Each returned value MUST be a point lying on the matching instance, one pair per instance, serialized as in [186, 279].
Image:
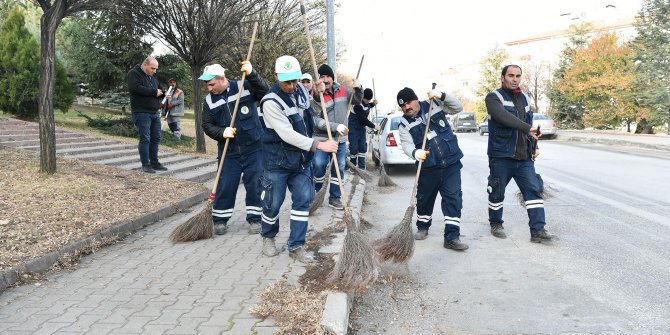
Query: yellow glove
[246, 67]
[229, 132]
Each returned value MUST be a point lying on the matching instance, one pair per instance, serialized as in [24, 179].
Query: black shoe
[335, 203]
[421, 234]
[540, 236]
[148, 169]
[159, 167]
[455, 244]
[498, 231]
[220, 228]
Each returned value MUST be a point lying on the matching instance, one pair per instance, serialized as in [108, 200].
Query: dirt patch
[41, 213]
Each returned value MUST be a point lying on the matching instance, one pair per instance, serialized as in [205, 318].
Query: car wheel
[387, 168]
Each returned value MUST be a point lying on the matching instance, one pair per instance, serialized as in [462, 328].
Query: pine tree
[20, 70]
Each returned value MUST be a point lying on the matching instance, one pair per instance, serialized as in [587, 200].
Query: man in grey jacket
[175, 108]
[336, 98]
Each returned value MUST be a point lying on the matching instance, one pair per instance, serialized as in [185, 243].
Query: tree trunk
[48, 25]
[200, 145]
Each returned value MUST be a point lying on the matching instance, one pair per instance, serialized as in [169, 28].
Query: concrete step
[130, 158]
[62, 146]
[200, 175]
[97, 156]
[30, 136]
[73, 141]
[25, 131]
[100, 148]
[174, 164]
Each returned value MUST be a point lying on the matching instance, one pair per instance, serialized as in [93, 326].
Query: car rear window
[395, 122]
[540, 117]
[466, 116]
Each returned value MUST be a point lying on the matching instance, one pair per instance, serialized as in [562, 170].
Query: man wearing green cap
[244, 156]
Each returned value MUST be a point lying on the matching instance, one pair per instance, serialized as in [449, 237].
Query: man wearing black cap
[441, 167]
[336, 98]
[358, 120]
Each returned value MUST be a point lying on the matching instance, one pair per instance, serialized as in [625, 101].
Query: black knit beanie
[368, 94]
[325, 70]
[405, 95]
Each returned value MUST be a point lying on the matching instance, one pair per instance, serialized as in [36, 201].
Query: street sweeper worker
[286, 116]
[441, 167]
[511, 150]
[244, 156]
[358, 120]
[336, 98]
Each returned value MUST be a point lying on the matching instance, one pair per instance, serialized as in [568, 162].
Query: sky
[408, 43]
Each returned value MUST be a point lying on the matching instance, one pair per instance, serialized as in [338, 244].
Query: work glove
[161, 105]
[229, 132]
[421, 155]
[246, 67]
[435, 94]
[170, 105]
[342, 129]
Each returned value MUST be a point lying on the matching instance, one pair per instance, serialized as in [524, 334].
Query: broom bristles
[321, 194]
[360, 172]
[384, 179]
[196, 228]
[398, 244]
[357, 267]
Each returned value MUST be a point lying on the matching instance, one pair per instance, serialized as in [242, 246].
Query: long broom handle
[346, 116]
[323, 104]
[232, 121]
[423, 147]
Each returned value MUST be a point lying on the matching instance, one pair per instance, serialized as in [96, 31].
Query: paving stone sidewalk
[146, 285]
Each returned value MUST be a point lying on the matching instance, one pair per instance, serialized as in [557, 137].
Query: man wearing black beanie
[336, 99]
[441, 167]
[358, 120]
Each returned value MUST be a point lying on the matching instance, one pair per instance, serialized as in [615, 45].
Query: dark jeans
[274, 185]
[358, 147]
[502, 170]
[250, 168]
[149, 132]
[319, 163]
[446, 181]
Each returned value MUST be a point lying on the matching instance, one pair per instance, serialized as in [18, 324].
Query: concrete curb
[44, 263]
[610, 141]
[335, 317]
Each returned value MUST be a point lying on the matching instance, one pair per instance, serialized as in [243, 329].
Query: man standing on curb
[441, 167]
[358, 120]
[511, 151]
[244, 157]
[145, 99]
[336, 98]
[287, 154]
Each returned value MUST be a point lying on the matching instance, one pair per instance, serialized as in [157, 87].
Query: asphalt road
[607, 274]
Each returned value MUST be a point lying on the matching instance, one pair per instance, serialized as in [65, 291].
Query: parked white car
[386, 144]
[547, 125]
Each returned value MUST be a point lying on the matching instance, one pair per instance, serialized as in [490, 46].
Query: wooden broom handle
[232, 121]
[423, 147]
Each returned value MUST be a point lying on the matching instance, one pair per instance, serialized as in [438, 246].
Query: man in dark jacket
[511, 150]
[358, 120]
[244, 157]
[441, 167]
[145, 99]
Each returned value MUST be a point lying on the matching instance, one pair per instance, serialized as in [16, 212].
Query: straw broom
[384, 180]
[201, 226]
[321, 195]
[398, 244]
[357, 262]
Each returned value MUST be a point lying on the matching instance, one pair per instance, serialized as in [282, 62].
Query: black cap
[325, 70]
[368, 94]
[405, 95]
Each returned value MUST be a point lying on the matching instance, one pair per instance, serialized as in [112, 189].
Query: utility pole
[330, 35]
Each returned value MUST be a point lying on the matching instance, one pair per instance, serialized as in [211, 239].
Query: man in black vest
[512, 148]
[441, 167]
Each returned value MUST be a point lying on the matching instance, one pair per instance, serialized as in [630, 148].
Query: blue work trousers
[446, 181]
[358, 148]
[250, 168]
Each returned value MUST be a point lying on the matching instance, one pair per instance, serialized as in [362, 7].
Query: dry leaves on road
[41, 213]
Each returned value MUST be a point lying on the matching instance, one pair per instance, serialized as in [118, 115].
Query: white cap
[212, 71]
[287, 68]
[306, 76]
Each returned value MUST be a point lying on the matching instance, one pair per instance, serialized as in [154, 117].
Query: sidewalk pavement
[656, 142]
[146, 285]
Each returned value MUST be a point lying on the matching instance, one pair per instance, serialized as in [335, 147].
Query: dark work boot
[148, 169]
[498, 231]
[421, 234]
[159, 167]
[455, 244]
[220, 228]
[540, 236]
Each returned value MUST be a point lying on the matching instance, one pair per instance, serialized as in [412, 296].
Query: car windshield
[540, 117]
[395, 122]
[466, 116]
